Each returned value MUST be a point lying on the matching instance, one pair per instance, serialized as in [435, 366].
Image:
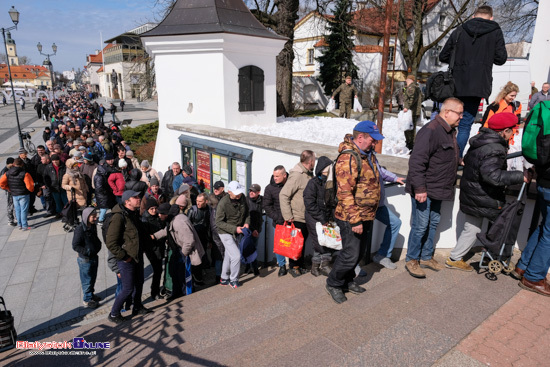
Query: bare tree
[516, 18]
[25, 60]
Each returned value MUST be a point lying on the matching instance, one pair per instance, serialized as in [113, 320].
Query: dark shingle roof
[210, 16]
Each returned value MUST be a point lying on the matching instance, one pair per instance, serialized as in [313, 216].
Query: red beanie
[503, 120]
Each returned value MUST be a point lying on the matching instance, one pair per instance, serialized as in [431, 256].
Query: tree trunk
[287, 14]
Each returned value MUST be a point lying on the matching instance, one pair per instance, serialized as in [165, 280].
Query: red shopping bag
[288, 241]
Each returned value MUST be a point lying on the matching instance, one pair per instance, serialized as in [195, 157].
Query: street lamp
[48, 62]
[14, 15]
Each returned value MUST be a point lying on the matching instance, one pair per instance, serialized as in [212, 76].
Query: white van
[517, 71]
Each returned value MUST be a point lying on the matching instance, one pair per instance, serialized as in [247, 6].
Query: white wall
[540, 62]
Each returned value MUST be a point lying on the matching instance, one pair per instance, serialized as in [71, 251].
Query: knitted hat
[55, 157]
[109, 157]
[187, 169]
[122, 163]
[144, 163]
[151, 202]
[154, 181]
[164, 208]
[181, 200]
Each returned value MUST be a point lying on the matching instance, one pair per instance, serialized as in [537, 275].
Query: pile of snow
[330, 131]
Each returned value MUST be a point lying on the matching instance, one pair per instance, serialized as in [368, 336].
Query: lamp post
[48, 62]
[14, 15]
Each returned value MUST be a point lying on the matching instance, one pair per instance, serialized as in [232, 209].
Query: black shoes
[141, 311]
[295, 272]
[282, 270]
[336, 293]
[119, 319]
[355, 288]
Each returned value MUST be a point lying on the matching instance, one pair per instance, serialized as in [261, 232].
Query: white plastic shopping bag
[357, 106]
[331, 105]
[329, 236]
[405, 120]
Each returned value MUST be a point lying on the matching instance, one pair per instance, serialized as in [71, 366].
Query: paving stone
[39, 305]
[12, 249]
[4, 283]
[54, 243]
[458, 359]
[30, 253]
[36, 238]
[45, 279]
[7, 264]
[23, 273]
[50, 259]
[3, 240]
[17, 235]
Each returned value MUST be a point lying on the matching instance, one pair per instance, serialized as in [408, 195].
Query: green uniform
[412, 102]
[347, 91]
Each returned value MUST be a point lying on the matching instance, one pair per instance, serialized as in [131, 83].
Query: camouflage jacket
[411, 99]
[357, 198]
[346, 92]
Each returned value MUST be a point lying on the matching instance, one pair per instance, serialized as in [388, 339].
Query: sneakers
[384, 261]
[234, 284]
[459, 265]
[282, 271]
[13, 224]
[413, 267]
[119, 319]
[336, 293]
[224, 281]
[25, 228]
[91, 304]
[432, 264]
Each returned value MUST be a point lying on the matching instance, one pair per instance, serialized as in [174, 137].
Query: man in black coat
[168, 179]
[480, 44]
[255, 203]
[272, 206]
[483, 183]
[199, 215]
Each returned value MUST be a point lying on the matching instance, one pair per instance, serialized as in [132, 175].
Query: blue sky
[74, 26]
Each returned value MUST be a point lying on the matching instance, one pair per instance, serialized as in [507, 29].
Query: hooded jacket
[231, 214]
[135, 183]
[485, 175]
[103, 195]
[314, 196]
[358, 197]
[73, 180]
[85, 239]
[291, 197]
[271, 202]
[256, 213]
[123, 237]
[480, 45]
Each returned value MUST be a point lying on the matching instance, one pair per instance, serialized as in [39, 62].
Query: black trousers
[300, 262]
[353, 247]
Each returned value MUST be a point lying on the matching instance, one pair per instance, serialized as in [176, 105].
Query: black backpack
[441, 85]
[331, 187]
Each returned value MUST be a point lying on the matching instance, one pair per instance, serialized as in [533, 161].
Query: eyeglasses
[458, 113]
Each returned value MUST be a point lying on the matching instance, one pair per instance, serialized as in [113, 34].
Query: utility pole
[384, 72]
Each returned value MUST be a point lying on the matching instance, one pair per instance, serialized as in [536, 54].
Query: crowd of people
[183, 230]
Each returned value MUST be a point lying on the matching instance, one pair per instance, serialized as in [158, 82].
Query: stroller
[70, 214]
[498, 242]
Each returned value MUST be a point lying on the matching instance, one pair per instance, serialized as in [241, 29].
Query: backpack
[331, 187]
[107, 222]
[535, 142]
[441, 85]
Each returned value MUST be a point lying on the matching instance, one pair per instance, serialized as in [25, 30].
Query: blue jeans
[88, 275]
[21, 206]
[102, 213]
[425, 218]
[535, 258]
[281, 260]
[471, 105]
[393, 224]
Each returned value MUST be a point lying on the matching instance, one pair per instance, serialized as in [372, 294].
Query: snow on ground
[331, 131]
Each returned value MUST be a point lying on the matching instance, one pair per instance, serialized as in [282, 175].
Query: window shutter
[245, 93]
[257, 89]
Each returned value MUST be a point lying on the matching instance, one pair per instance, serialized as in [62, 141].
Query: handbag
[7, 328]
[441, 85]
[329, 235]
[288, 241]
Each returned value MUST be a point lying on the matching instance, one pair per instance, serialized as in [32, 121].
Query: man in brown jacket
[358, 193]
[347, 92]
[431, 179]
[291, 199]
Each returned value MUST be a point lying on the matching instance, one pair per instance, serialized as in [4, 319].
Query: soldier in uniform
[412, 101]
[358, 193]
[347, 92]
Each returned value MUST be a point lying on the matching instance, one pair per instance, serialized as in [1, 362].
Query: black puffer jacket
[85, 239]
[256, 213]
[271, 202]
[103, 194]
[480, 45]
[134, 182]
[485, 175]
[314, 201]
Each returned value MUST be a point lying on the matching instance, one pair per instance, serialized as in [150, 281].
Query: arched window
[251, 88]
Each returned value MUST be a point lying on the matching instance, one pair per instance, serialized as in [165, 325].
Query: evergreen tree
[337, 60]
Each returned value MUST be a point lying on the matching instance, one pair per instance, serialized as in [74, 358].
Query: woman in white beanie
[148, 172]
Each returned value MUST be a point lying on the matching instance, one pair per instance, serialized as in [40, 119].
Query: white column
[538, 58]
